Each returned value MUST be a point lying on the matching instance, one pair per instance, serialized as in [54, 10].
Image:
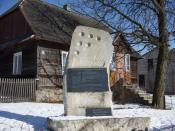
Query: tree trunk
[159, 86]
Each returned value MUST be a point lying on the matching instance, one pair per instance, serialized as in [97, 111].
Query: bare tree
[147, 23]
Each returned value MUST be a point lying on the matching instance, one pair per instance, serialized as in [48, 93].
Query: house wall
[149, 74]
[13, 29]
[128, 77]
[49, 74]
[40, 60]
[28, 61]
[46, 68]
[13, 26]
[170, 80]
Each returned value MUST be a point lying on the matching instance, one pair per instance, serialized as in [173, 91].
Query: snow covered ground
[32, 116]
[27, 116]
[160, 119]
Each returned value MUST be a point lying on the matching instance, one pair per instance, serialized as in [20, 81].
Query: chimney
[67, 7]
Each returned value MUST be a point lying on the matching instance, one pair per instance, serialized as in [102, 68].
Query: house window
[150, 64]
[17, 63]
[63, 59]
[127, 62]
[113, 65]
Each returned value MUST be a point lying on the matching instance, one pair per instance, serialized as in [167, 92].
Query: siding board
[150, 74]
[13, 26]
[29, 61]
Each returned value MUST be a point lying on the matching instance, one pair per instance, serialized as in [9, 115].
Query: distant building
[124, 63]
[147, 71]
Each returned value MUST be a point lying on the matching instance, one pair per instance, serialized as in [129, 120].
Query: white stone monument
[86, 80]
[86, 87]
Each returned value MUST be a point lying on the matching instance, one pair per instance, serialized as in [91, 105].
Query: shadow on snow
[36, 121]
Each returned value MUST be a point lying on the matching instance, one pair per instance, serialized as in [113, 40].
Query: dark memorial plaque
[98, 112]
[87, 80]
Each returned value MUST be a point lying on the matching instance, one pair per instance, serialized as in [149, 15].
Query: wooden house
[34, 39]
[125, 60]
[147, 71]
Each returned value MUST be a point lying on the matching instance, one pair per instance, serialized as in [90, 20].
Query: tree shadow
[38, 123]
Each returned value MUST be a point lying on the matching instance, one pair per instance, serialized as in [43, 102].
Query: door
[142, 81]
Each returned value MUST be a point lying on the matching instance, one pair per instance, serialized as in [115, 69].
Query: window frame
[127, 64]
[17, 68]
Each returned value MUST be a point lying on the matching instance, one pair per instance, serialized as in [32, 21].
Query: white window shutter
[127, 62]
[64, 55]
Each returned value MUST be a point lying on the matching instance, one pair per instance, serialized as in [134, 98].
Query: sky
[5, 5]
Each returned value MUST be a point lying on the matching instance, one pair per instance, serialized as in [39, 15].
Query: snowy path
[32, 116]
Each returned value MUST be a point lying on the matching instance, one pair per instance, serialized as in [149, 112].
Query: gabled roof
[119, 40]
[153, 53]
[150, 51]
[53, 23]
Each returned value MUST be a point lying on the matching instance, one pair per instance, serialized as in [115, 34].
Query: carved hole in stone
[80, 43]
[98, 38]
[82, 34]
[43, 52]
[76, 52]
[91, 35]
[88, 44]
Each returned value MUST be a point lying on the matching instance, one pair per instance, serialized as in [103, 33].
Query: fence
[17, 89]
[170, 102]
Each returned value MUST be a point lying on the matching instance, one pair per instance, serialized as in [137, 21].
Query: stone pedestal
[86, 80]
[99, 124]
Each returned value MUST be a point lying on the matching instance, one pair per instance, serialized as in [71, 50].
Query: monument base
[89, 104]
[73, 123]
